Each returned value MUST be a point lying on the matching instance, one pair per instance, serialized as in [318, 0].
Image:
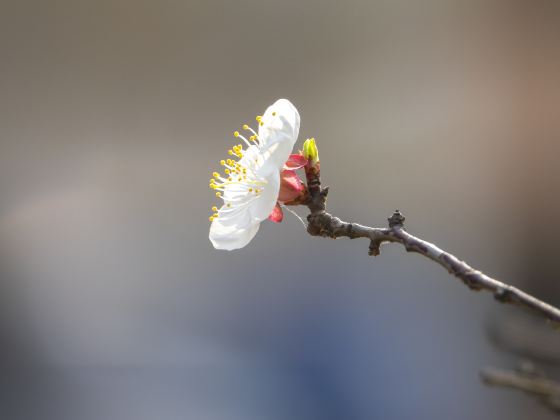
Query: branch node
[374, 248]
[502, 295]
[471, 279]
[396, 220]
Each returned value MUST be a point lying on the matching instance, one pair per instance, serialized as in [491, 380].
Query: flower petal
[295, 161]
[291, 186]
[232, 233]
[253, 158]
[237, 225]
[261, 207]
[278, 132]
[276, 215]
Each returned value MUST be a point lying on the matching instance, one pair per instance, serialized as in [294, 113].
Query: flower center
[240, 184]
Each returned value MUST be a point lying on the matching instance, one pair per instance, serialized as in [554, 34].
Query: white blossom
[250, 186]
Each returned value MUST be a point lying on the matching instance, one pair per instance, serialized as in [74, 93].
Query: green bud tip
[310, 151]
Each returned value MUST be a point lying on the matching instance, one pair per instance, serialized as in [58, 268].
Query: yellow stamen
[236, 134]
[214, 208]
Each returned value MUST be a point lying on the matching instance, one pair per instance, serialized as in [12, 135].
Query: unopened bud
[310, 151]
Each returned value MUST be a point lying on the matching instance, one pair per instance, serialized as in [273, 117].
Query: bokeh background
[113, 114]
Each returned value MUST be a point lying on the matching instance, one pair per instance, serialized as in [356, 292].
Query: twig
[324, 224]
[546, 390]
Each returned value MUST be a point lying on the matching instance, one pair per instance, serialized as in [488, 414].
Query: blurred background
[113, 115]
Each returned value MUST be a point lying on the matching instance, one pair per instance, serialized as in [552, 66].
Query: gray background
[113, 115]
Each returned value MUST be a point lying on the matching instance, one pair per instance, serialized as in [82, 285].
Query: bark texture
[322, 223]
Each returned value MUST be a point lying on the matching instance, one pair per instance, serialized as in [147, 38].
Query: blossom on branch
[252, 186]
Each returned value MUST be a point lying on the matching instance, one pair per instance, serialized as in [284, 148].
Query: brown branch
[324, 224]
[546, 390]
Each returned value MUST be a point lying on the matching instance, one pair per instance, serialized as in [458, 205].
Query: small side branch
[546, 390]
[322, 223]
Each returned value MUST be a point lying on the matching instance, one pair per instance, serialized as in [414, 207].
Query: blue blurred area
[113, 303]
